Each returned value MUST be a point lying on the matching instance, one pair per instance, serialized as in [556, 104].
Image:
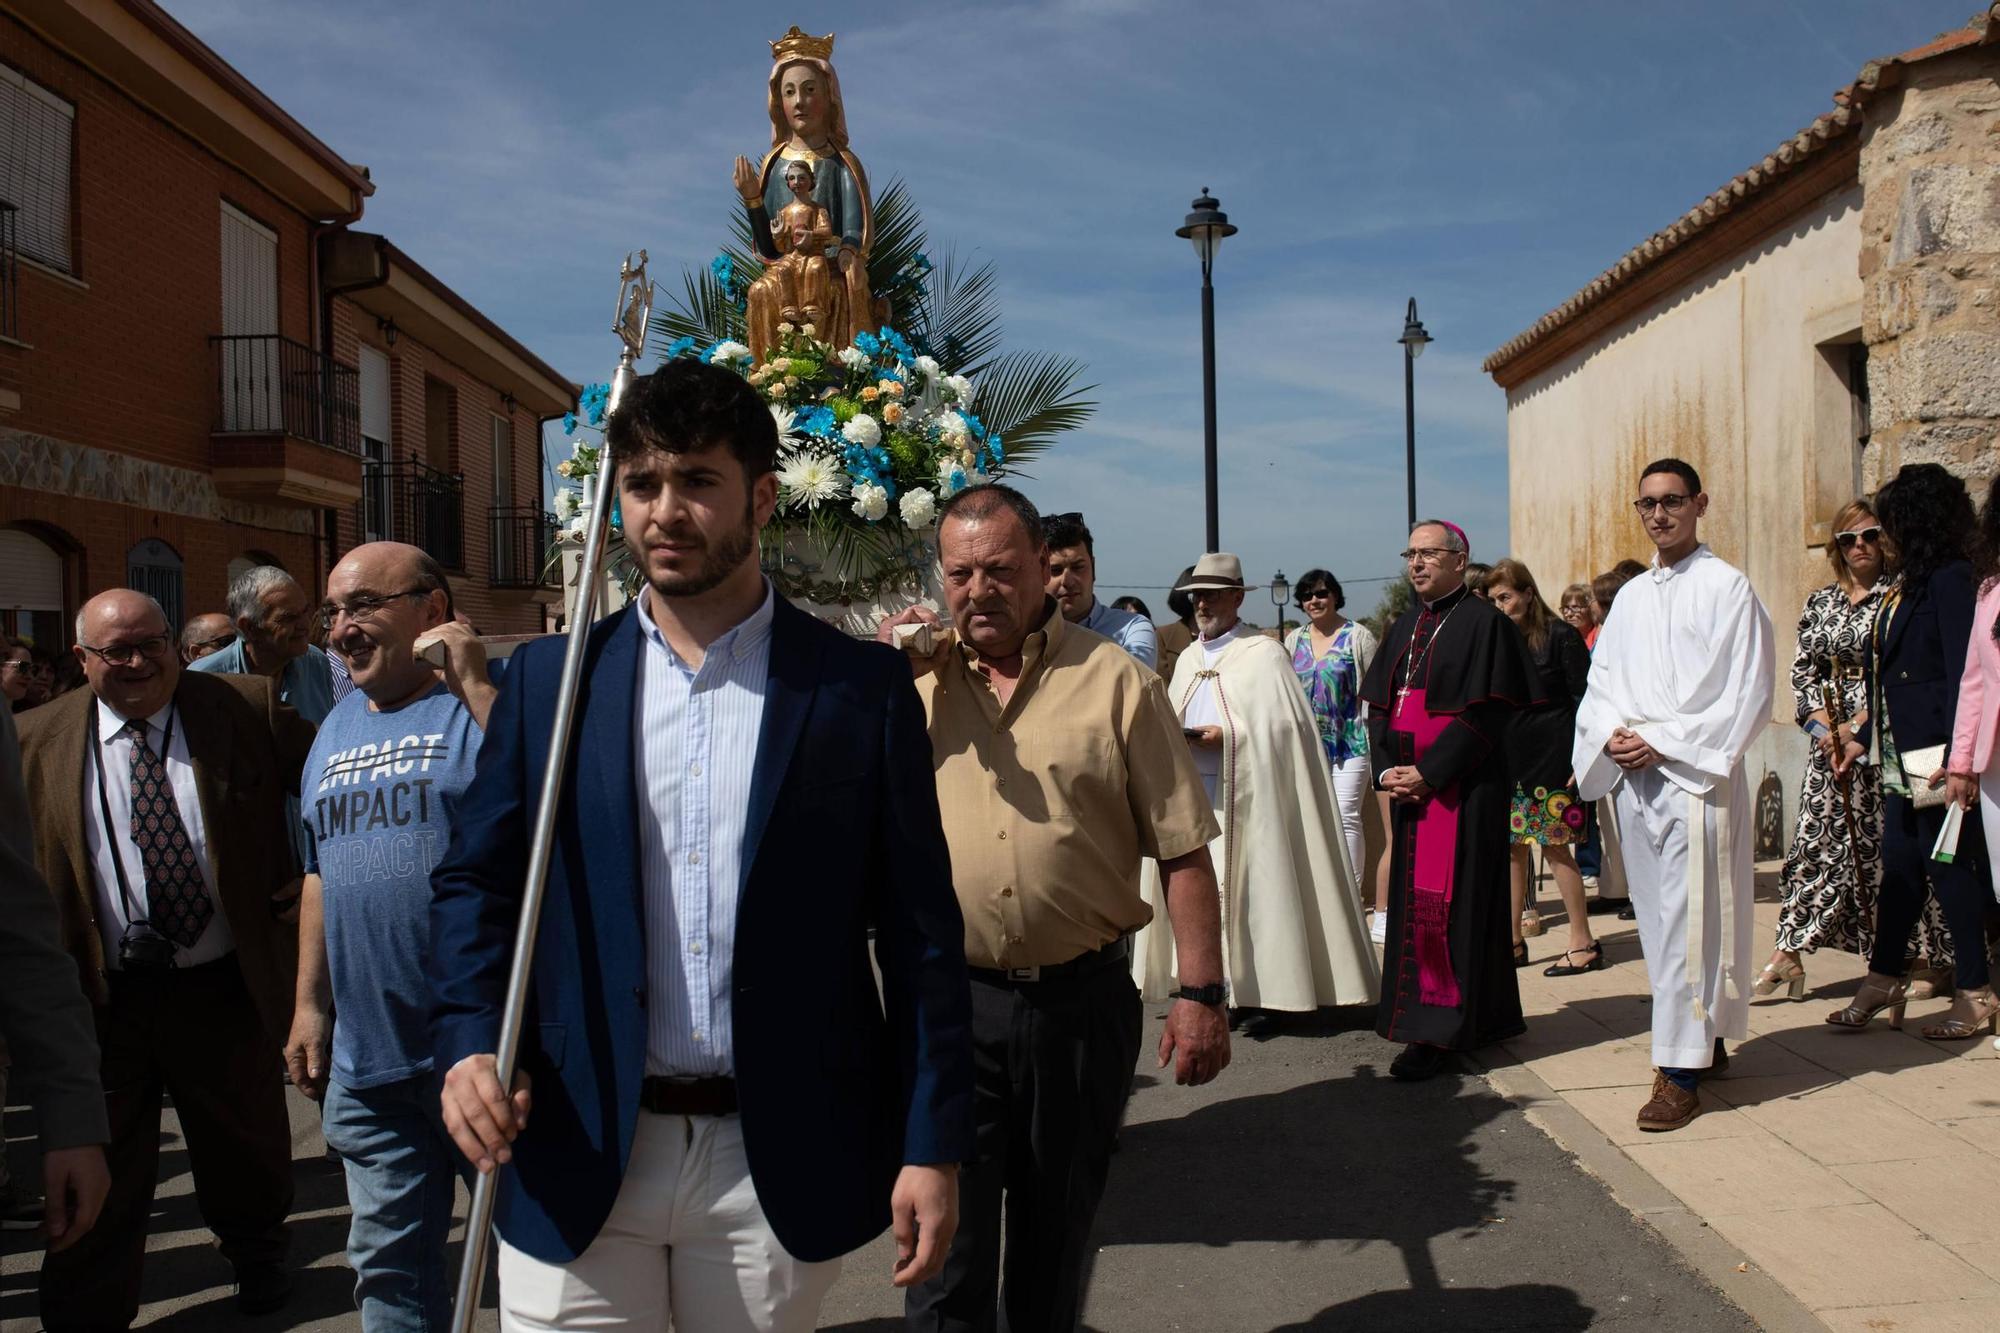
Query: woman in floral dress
[1546, 810]
[1834, 869]
[1330, 654]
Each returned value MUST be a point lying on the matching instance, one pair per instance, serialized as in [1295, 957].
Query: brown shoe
[1670, 1107]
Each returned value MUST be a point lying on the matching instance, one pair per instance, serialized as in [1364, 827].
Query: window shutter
[36, 127]
[249, 275]
[375, 395]
[30, 573]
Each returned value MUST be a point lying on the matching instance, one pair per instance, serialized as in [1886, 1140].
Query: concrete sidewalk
[1858, 1170]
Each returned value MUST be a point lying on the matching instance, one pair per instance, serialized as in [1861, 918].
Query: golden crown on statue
[798, 43]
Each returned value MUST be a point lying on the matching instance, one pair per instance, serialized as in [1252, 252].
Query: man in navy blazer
[722, 1102]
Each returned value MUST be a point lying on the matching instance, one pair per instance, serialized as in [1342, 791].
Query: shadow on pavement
[1531, 1305]
[1180, 1181]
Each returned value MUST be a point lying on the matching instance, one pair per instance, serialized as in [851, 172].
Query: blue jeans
[401, 1170]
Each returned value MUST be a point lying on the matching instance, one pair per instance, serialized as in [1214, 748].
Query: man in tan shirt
[1060, 765]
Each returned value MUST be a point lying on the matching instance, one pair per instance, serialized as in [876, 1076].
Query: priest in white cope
[1293, 938]
[1680, 684]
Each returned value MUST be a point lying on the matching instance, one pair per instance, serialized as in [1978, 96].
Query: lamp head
[1206, 227]
[1414, 338]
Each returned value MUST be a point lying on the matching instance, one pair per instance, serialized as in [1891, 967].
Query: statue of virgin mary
[809, 124]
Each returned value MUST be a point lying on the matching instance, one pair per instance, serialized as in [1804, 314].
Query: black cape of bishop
[1473, 664]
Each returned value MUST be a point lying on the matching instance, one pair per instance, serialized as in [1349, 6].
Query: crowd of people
[292, 831]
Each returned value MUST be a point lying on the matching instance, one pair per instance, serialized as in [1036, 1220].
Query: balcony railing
[10, 273]
[523, 540]
[412, 502]
[270, 385]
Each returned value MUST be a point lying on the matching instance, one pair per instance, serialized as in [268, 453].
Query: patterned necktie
[176, 899]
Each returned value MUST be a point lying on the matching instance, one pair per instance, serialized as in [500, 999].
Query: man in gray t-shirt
[378, 794]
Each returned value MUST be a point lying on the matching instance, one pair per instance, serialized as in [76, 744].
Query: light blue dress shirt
[1128, 629]
[694, 753]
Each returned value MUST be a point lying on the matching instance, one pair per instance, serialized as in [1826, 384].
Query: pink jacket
[1978, 714]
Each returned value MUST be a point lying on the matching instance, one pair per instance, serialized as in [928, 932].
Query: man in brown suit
[158, 804]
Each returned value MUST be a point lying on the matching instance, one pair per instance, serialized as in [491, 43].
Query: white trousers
[1989, 816]
[1351, 785]
[686, 1246]
[1653, 834]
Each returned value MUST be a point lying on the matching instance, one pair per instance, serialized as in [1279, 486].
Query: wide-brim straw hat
[1217, 569]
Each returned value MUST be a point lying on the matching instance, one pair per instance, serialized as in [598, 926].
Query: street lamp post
[1206, 227]
[1414, 341]
[1281, 593]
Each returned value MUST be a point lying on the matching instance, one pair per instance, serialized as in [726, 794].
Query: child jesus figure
[802, 231]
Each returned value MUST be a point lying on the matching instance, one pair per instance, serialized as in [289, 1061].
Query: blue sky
[1486, 158]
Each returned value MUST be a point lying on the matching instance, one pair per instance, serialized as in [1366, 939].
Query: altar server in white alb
[1680, 684]
[1292, 933]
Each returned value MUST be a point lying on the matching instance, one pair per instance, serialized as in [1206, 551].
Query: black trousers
[1908, 873]
[1052, 1061]
[192, 1033]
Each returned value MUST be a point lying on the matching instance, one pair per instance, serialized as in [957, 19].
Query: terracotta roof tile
[1788, 157]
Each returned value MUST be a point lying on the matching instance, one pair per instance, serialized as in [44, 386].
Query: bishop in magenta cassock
[1451, 670]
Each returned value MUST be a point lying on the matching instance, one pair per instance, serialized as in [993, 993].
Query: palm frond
[892, 268]
[701, 311]
[1031, 398]
[962, 315]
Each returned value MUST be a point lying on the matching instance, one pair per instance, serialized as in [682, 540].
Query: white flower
[927, 364]
[871, 502]
[575, 528]
[863, 430]
[960, 386]
[728, 351]
[918, 507]
[784, 327]
[788, 437]
[810, 480]
[951, 477]
[953, 429]
[854, 358]
[808, 330]
[567, 503]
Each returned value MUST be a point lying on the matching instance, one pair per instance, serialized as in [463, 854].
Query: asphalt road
[1303, 1190]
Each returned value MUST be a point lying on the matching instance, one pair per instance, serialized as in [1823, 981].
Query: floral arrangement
[872, 438]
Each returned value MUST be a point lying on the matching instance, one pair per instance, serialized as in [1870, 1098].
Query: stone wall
[1930, 267]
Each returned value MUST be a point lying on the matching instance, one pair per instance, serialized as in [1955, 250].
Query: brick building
[203, 366]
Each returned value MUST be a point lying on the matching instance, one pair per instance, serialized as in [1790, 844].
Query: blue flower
[724, 269]
[894, 340]
[680, 346]
[867, 342]
[569, 423]
[993, 447]
[596, 397]
[814, 420]
[923, 262]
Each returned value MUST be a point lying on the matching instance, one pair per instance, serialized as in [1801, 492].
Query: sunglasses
[1847, 539]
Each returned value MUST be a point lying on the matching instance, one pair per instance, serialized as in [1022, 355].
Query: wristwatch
[1214, 993]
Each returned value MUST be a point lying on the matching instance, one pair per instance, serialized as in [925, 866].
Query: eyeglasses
[1574, 610]
[1671, 503]
[1847, 539]
[17, 664]
[1316, 595]
[363, 609]
[1073, 516]
[124, 654]
[220, 641]
[1428, 554]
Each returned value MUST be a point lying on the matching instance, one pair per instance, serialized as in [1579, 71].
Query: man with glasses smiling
[157, 798]
[381, 791]
[1680, 684]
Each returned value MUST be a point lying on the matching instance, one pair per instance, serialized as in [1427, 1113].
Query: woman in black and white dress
[1834, 869]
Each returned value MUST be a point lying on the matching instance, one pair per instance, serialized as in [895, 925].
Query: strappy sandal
[1960, 1025]
[1871, 1000]
[1792, 977]
[1595, 953]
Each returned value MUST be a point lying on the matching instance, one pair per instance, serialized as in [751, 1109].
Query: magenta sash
[1433, 857]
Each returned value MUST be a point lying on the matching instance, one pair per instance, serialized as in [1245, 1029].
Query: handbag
[1918, 765]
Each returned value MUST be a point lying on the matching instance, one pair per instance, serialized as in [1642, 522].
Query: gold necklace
[1416, 660]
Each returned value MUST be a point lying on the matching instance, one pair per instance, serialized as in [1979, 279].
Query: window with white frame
[36, 130]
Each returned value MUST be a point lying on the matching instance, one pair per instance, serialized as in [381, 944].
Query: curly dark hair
[1986, 545]
[1928, 519]
[686, 406]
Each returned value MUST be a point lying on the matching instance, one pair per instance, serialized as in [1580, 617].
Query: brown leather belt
[688, 1096]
